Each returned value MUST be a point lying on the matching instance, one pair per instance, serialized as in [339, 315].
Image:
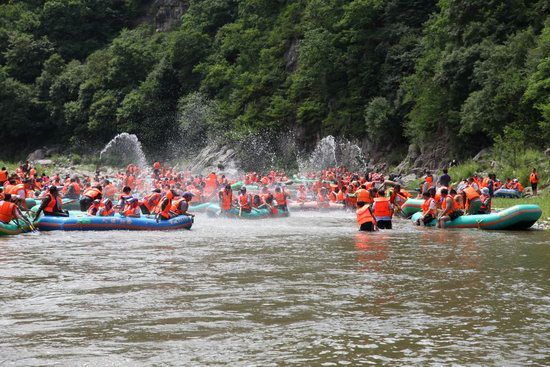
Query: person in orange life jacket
[131, 208]
[473, 183]
[90, 194]
[94, 207]
[533, 180]
[485, 199]
[9, 211]
[180, 206]
[124, 198]
[150, 201]
[106, 210]
[280, 197]
[301, 194]
[428, 209]
[245, 201]
[382, 210]
[450, 209]
[52, 204]
[270, 205]
[364, 195]
[365, 217]
[73, 190]
[472, 203]
[226, 198]
[322, 198]
[3, 175]
[164, 207]
[428, 182]
[257, 201]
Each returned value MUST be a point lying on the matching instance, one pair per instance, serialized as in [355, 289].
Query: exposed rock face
[291, 56]
[215, 159]
[167, 13]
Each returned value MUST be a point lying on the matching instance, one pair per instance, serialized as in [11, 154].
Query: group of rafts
[515, 217]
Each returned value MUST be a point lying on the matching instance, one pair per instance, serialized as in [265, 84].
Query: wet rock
[36, 155]
[291, 56]
[43, 162]
[547, 152]
[483, 153]
[214, 159]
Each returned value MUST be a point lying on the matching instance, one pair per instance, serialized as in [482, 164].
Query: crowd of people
[162, 191]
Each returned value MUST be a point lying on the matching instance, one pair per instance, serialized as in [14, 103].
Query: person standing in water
[365, 217]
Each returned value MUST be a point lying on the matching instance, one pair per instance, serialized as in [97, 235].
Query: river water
[308, 290]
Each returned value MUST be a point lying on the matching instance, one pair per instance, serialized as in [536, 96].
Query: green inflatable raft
[13, 228]
[214, 211]
[411, 206]
[515, 217]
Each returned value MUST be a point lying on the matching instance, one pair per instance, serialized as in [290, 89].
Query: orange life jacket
[176, 206]
[165, 213]
[3, 176]
[151, 201]
[533, 178]
[244, 201]
[456, 206]
[471, 193]
[54, 205]
[280, 198]
[459, 203]
[382, 207]
[426, 207]
[340, 196]
[92, 193]
[363, 195]
[130, 211]
[103, 212]
[364, 215]
[15, 189]
[7, 211]
[226, 200]
[93, 209]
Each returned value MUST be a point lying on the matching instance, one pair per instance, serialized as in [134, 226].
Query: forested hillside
[455, 74]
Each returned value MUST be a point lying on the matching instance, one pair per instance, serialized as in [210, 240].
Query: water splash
[122, 150]
[333, 152]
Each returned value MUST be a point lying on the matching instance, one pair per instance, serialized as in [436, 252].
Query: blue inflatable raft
[516, 217]
[78, 221]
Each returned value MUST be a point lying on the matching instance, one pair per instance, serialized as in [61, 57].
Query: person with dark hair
[444, 179]
[428, 209]
[382, 210]
[52, 205]
[91, 194]
[534, 180]
[365, 217]
[450, 209]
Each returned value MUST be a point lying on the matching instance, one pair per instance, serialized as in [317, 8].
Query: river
[308, 290]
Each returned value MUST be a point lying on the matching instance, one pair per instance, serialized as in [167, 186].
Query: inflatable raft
[507, 193]
[214, 211]
[12, 228]
[411, 206]
[515, 217]
[313, 205]
[78, 221]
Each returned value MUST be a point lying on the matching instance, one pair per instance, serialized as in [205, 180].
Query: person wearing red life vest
[450, 209]
[365, 217]
[52, 204]
[428, 209]
[382, 210]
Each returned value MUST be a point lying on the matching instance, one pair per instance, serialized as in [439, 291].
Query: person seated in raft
[106, 210]
[458, 199]
[131, 209]
[365, 217]
[398, 197]
[280, 197]
[149, 202]
[450, 209]
[226, 198]
[270, 205]
[382, 210]
[485, 199]
[180, 206]
[244, 201]
[301, 194]
[517, 186]
[91, 194]
[124, 198]
[9, 211]
[94, 208]
[52, 204]
[471, 199]
[428, 209]
[163, 209]
[322, 198]
[72, 190]
[257, 201]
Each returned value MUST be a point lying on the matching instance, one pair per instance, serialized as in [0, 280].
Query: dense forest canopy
[455, 73]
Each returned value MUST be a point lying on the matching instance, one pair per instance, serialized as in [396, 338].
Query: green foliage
[389, 71]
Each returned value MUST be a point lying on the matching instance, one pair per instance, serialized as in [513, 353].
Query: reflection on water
[304, 290]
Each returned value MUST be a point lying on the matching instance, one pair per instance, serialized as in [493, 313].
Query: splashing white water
[333, 152]
[124, 149]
